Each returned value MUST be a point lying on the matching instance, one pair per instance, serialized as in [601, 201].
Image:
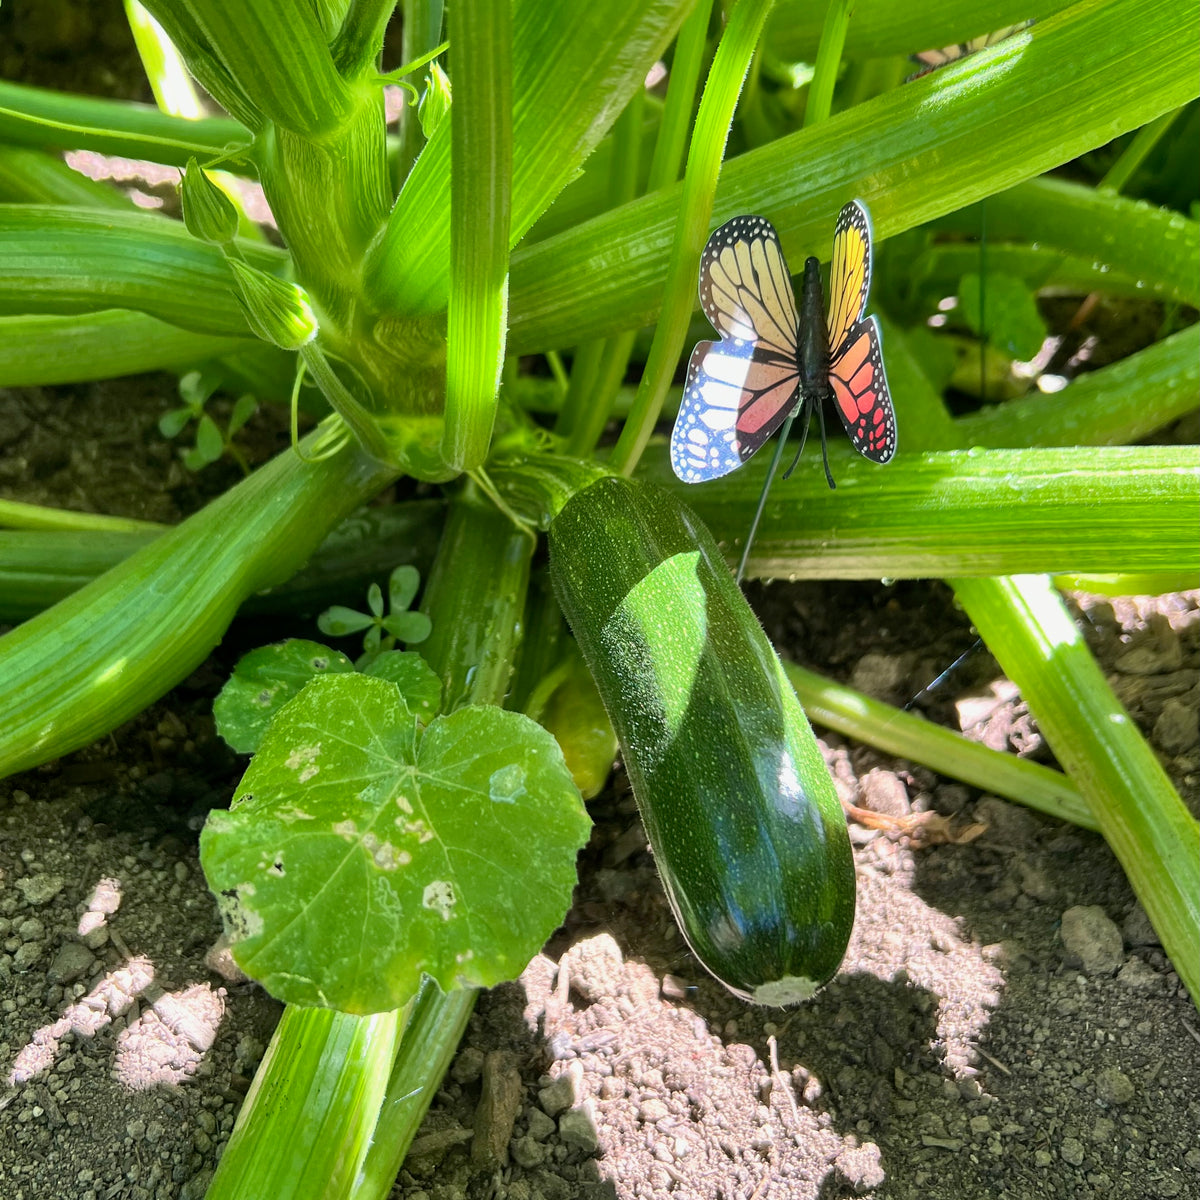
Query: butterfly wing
[739, 390]
[856, 373]
[860, 388]
[849, 272]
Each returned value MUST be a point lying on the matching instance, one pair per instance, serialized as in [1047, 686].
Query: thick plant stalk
[294, 1151]
[78, 670]
[38, 569]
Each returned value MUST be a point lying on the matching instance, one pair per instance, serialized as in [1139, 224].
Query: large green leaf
[976, 127]
[361, 853]
[263, 681]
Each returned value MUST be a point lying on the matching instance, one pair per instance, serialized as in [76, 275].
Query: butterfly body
[772, 362]
[812, 337]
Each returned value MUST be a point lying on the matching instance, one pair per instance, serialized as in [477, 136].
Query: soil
[1004, 1025]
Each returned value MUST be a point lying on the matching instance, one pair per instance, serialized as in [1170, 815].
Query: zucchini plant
[394, 819]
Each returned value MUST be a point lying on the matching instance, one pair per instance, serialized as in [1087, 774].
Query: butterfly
[930, 60]
[772, 364]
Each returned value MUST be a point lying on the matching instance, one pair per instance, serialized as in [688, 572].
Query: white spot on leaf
[439, 896]
[507, 784]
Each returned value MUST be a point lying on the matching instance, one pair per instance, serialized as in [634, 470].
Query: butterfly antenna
[807, 418]
[762, 496]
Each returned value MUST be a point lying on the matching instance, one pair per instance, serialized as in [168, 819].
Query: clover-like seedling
[195, 390]
[382, 632]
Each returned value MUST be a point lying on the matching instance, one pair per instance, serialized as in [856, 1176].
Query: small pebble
[1138, 976]
[577, 1128]
[1176, 729]
[540, 1126]
[26, 955]
[527, 1151]
[73, 961]
[1091, 940]
[468, 1065]
[1072, 1151]
[1113, 1086]
[558, 1096]
[40, 889]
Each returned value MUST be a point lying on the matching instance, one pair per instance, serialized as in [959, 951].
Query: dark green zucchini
[739, 807]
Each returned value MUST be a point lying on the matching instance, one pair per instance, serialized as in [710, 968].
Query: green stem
[607, 360]
[954, 513]
[1116, 405]
[691, 227]
[829, 58]
[360, 38]
[475, 597]
[676, 117]
[49, 120]
[15, 515]
[585, 369]
[1136, 153]
[37, 569]
[431, 1036]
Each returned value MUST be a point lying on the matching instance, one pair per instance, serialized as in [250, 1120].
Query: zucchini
[740, 810]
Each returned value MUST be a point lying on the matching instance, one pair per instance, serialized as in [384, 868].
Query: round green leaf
[418, 684]
[360, 854]
[410, 627]
[263, 682]
[209, 443]
[339, 621]
[402, 587]
[244, 408]
[170, 424]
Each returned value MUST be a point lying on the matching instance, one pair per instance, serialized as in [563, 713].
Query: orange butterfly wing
[860, 387]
